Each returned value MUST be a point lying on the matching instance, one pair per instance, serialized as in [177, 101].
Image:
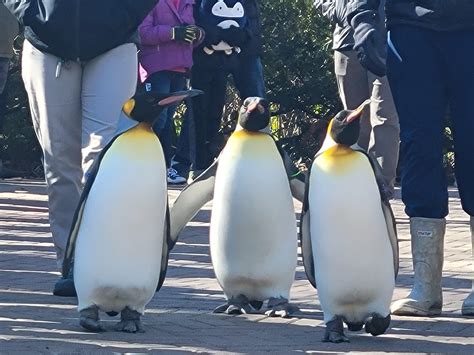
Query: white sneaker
[174, 178]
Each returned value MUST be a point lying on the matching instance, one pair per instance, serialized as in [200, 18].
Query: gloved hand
[368, 42]
[235, 36]
[198, 32]
[186, 34]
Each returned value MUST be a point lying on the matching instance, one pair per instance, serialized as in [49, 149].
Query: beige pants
[75, 109]
[379, 131]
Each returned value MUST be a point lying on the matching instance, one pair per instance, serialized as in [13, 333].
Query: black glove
[235, 36]
[198, 32]
[368, 42]
[184, 34]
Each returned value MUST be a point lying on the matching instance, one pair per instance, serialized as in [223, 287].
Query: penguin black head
[146, 106]
[345, 127]
[254, 114]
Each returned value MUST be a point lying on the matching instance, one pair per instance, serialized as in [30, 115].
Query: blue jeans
[166, 82]
[428, 72]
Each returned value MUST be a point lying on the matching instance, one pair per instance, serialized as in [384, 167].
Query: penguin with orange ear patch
[253, 225]
[120, 237]
[348, 234]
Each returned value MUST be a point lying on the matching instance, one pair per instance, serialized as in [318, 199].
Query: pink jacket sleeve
[151, 34]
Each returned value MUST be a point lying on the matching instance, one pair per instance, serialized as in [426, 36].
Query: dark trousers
[210, 74]
[4, 63]
[166, 82]
[430, 72]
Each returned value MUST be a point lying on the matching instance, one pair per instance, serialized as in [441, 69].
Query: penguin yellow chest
[253, 224]
[351, 248]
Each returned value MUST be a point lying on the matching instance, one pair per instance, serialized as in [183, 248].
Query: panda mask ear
[221, 9]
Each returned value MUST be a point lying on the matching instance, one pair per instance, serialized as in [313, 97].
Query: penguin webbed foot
[90, 321]
[280, 307]
[236, 305]
[377, 324]
[335, 331]
[130, 322]
[355, 327]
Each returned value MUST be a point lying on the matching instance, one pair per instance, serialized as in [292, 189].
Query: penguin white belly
[352, 252]
[253, 224]
[119, 245]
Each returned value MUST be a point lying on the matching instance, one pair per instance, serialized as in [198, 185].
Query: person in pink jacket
[168, 36]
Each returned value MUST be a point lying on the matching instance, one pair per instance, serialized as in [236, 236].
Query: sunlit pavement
[180, 318]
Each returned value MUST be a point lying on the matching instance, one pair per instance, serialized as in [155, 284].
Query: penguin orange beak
[255, 105]
[357, 113]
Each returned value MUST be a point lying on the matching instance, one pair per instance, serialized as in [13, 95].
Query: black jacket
[438, 15]
[336, 12]
[79, 29]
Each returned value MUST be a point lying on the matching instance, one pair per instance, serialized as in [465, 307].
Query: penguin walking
[253, 231]
[120, 239]
[348, 234]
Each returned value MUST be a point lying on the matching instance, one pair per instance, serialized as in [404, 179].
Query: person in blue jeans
[168, 35]
[430, 70]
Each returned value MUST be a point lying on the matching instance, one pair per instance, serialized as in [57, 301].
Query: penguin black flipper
[386, 209]
[168, 244]
[191, 200]
[304, 237]
[296, 177]
[76, 221]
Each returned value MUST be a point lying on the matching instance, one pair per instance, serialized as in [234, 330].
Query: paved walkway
[180, 318]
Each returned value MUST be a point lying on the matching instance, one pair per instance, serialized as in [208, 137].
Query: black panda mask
[223, 13]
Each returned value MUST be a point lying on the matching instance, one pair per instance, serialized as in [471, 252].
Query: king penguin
[120, 239]
[253, 230]
[348, 234]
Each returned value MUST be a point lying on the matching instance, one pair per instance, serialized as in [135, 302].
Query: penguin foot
[89, 319]
[355, 327]
[377, 324]
[335, 331]
[256, 305]
[279, 307]
[236, 305]
[130, 322]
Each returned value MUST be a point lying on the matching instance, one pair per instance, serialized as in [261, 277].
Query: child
[167, 37]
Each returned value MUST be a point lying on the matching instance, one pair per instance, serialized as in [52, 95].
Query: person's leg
[109, 80]
[353, 87]
[207, 108]
[182, 158]
[4, 64]
[177, 83]
[160, 82]
[248, 77]
[385, 136]
[419, 89]
[55, 104]
[458, 53]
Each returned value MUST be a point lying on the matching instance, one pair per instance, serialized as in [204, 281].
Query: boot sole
[416, 312]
